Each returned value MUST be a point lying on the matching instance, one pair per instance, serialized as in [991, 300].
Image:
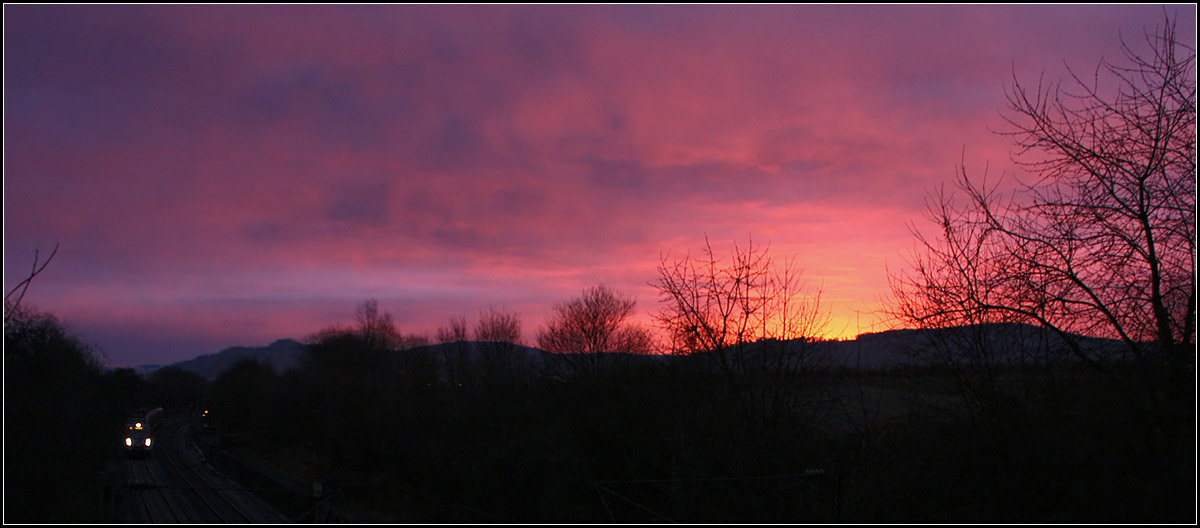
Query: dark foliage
[59, 422]
[174, 388]
[648, 441]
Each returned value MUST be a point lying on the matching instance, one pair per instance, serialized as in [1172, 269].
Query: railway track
[175, 484]
[153, 501]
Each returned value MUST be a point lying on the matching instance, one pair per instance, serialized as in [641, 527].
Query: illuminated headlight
[147, 442]
[128, 442]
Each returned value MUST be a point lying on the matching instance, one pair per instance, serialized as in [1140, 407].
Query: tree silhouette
[499, 326]
[53, 403]
[499, 335]
[455, 360]
[457, 331]
[242, 396]
[377, 328]
[1101, 240]
[709, 305]
[594, 323]
[750, 320]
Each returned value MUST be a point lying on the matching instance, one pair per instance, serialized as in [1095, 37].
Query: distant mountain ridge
[1007, 343]
[282, 355]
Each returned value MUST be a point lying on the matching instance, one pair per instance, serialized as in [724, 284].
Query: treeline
[480, 432]
[483, 432]
[54, 416]
[63, 420]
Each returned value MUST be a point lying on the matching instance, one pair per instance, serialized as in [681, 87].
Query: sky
[218, 175]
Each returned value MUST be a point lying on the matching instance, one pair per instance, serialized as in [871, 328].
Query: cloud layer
[228, 175]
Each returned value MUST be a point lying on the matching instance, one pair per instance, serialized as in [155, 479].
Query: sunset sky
[222, 176]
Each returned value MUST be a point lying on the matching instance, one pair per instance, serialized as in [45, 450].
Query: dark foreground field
[653, 444]
[392, 438]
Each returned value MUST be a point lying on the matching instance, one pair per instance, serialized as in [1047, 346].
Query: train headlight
[147, 441]
[128, 442]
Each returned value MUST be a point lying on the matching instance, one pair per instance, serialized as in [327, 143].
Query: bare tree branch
[11, 305]
[750, 319]
[1101, 242]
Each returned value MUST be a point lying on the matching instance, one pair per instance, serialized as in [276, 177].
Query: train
[140, 431]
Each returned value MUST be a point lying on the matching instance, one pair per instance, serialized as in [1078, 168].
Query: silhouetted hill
[1006, 343]
[1000, 343]
[281, 355]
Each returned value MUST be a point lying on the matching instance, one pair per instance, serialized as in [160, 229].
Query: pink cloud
[257, 170]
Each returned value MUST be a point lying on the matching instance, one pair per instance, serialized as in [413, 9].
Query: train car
[139, 432]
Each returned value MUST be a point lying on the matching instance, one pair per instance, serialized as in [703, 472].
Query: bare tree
[376, 328]
[499, 326]
[1101, 240]
[596, 321]
[711, 306]
[752, 319]
[456, 352]
[499, 335]
[588, 327]
[457, 331]
[11, 305]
